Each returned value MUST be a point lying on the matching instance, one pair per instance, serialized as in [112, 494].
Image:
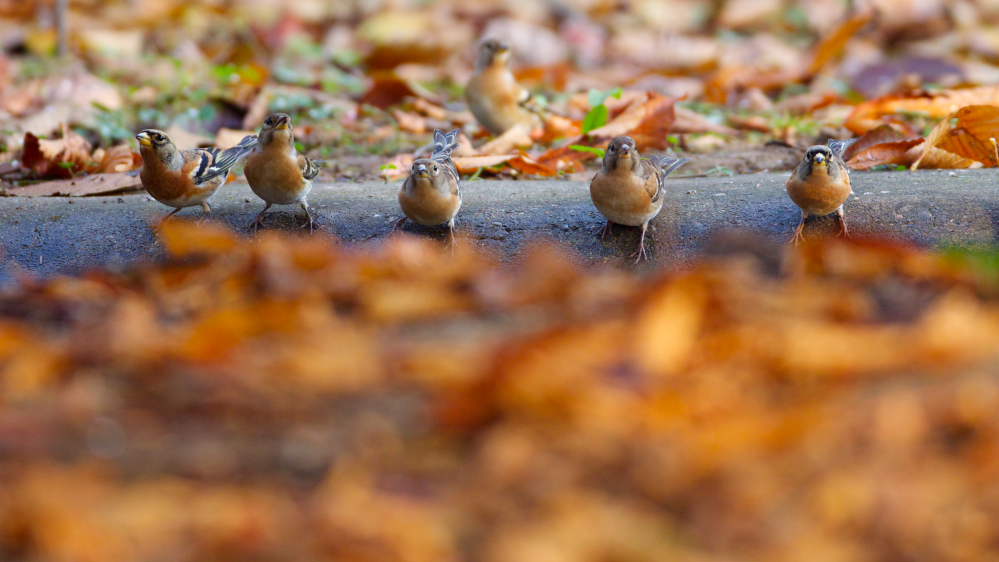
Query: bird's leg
[797, 236]
[172, 213]
[450, 230]
[255, 225]
[398, 224]
[205, 207]
[642, 254]
[606, 230]
[308, 213]
[841, 222]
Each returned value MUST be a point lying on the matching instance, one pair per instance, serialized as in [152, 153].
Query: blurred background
[368, 80]
[293, 398]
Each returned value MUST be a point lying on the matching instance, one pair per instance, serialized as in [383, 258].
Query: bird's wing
[444, 143]
[215, 162]
[309, 168]
[662, 166]
[839, 147]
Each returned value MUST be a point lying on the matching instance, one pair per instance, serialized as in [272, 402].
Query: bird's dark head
[277, 121]
[622, 151]
[277, 127]
[425, 168]
[493, 51]
[819, 155]
[152, 139]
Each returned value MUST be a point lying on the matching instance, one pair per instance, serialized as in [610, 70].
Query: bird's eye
[613, 148]
[435, 168]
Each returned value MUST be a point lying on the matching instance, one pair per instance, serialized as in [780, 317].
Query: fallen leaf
[648, 121]
[689, 121]
[471, 164]
[969, 133]
[410, 122]
[226, 138]
[56, 158]
[92, 184]
[832, 46]
[870, 114]
[884, 145]
[518, 136]
[118, 158]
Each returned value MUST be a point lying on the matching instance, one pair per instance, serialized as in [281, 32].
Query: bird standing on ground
[275, 170]
[430, 195]
[185, 178]
[494, 97]
[820, 186]
[629, 190]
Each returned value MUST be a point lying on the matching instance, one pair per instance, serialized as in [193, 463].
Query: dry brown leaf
[396, 168]
[756, 123]
[969, 133]
[647, 120]
[471, 164]
[933, 158]
[518, 136]
[884, 145]
[871, 114]
[118, 158]
[56, 158]
[833, 45]
[410, 122]
[892, 152]
[91, 184]
[226, 138]
[389, 89]
[689, 121]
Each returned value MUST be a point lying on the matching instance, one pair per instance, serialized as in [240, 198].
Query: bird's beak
[282, 125]
[819, 158]
[625, 150]
[144, 139]
[420, 170]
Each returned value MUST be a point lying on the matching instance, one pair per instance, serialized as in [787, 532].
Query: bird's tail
[839, 147]
[230, 156]
[668, 163]
[223, 160]
[444, 144]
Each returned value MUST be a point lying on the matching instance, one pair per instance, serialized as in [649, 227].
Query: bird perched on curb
[185, 178]
[275, 170]
[494, 97]
[629, 190]
[430, 195]
[819, 186]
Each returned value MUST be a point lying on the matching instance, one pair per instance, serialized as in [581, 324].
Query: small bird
[493, 94]
[275, 170]
[820, 186]
[430, 195]
[185, 178]
[629, 190]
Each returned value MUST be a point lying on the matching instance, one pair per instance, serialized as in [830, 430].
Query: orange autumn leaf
[833, 45]
[884, 145]
[56, 158]
[871, 114]
[969, 133]
[647, 120]
[472, 164]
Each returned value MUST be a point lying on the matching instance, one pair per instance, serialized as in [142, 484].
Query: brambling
[629, 190]
[820, 186]
[275, 170]
[430, 195]
[185, 178]
[494, 97]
